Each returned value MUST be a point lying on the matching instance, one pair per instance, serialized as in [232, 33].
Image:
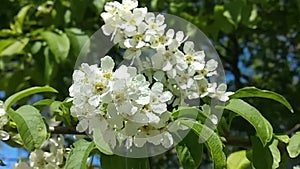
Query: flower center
[100, 87]
[138, 38]
[163, 39]
[107, 75]
[146, 108]
[189, 59]
[203, 72]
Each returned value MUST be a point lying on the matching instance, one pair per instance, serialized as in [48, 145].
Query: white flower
[195, 59]
[160, 39]
[296, 167]
[133, 24]
[21, 165]
[177, 41]
[208, 71]
[220, 92]
[128, 5]
[52, 159]
[155, 24]
[159, 98]
[169, 61]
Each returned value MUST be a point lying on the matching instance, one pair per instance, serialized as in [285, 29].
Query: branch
[236, 141]
[64, 130]
[294, 129]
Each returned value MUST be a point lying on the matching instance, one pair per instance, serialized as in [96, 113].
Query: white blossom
[52, 159]
[220, 92]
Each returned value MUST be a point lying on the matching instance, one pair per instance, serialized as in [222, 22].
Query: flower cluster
[51, 159]
[136, 30]
[132, 104]
[122, 100]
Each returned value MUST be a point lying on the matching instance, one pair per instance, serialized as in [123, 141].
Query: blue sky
[10, 155]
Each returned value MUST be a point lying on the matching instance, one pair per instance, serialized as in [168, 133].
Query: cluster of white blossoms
[51, 159]
[3, 121]
[133, 104]
[122, 100]
[136, 30]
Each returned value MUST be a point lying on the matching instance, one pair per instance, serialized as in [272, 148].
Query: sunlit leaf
[254, 92]
[30, 125]
[210, 139]
[283, 138]
[262, 126]
[293, 147]
[20, 18]
[58, 43]
[79, 154]
[15, 48]
[100, 143]
[238, 160]
[275, 154]
[24, 93]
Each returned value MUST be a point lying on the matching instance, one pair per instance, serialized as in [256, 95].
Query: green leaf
[261, 155]
[211, 140]
[100, 143]
[5, 42]
[78, 156]
[19, 19]
[189, 151]
[77, 38]
[44, 102]
[187, 112]
[99, 4]
[238, 160]
[254, 92]
[24, 93]
[118, 162]
[15, 48]
[58, 43]
[293, 147]
[263, 128]
[30, 125]
[283, 138]
[275, 154]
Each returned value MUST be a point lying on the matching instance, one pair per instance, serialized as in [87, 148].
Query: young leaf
[100, 143]
[118, 162]
[293, 147]
[15, 48]
[79, 154]
[30, 125]
[59, 44]
[238, 160]
[24, 93]
[254, 92]
[283, 138]
[275, 154]
[263, 128]
[211, 140]
[189, 151]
